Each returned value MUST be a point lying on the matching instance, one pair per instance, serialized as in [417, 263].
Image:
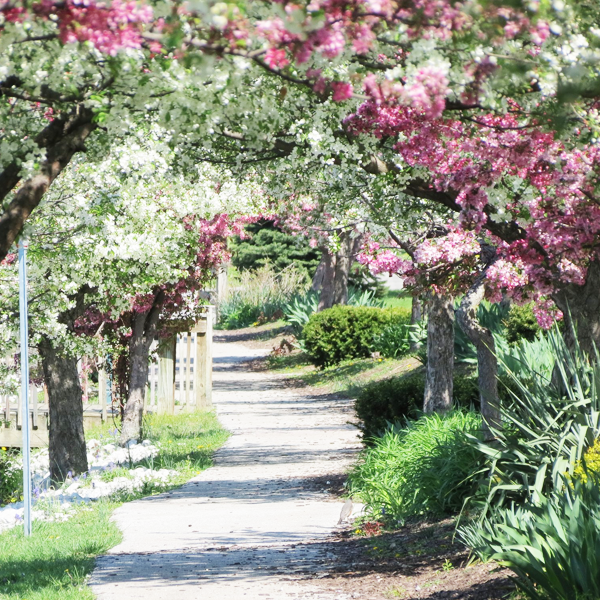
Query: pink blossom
[341, 91]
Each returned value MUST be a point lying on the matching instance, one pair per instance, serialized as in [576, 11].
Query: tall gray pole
[25, 386]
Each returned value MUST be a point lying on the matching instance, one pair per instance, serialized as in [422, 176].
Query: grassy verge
[394, 299]
[54, 562]
[346, 378]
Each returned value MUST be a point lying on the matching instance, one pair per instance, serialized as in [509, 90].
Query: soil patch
[418, 561]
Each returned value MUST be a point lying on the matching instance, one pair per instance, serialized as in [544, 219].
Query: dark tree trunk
[143, 331]
[440, 355]
[328, 287]
[61, 139]
[487, 363]
[580, 305]
[67, 442]
[342, 269]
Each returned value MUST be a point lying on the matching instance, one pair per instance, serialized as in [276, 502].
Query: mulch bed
[419, 560]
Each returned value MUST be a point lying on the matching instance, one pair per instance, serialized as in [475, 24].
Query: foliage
[394, 341]
[344, 332]
[11, 477]
[546, 428]
[297, 312]
[392, 400]
[521, 324]
[260, 296]
[551, 545]
[589, 465]
[490, 316]
[267, 244]
[420, 467]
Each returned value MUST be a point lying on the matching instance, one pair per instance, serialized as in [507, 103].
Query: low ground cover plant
[345, 332]
[11, 484]
[421, 467]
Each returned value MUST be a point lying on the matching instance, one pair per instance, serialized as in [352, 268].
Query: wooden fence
[181, 379]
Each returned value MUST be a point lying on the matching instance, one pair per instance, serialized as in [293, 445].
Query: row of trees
[462, 133]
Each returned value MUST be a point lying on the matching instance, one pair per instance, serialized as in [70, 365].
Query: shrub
[552, 546]
[344, 332]
[421, 467]
[388, 401]
[521, 324]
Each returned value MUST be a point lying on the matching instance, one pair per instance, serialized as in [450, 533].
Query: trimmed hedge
[397, 398]
[345, 332]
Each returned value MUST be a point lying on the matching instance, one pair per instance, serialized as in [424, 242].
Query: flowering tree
[118, 250]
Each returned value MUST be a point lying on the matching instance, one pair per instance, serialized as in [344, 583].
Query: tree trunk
[342, 269]
[317, 281]
[143, 331]
[487, 363]
[67, 442]
[440, 355]
[580, 305]
[62, 138]
[328, 287]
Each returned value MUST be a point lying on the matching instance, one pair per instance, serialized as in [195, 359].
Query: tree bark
[62, 138]
[440, 355]
[317, 280]
[342, 269]
[487, 363]
[143, 331]
[328, 287]
[580, 305]
[67, 441]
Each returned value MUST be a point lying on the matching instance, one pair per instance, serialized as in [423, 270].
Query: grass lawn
[345, 378]
[395, 299]
[54, 562]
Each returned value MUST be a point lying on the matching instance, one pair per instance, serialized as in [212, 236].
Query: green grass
[346, 378]
[397, 300]
[54, 562]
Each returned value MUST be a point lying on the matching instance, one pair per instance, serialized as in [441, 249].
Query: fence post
[166, 376]
[203, 368]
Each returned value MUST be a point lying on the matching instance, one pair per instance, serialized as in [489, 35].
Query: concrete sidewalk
[252, 526]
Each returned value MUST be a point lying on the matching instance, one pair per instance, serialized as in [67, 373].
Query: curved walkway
[253, 526]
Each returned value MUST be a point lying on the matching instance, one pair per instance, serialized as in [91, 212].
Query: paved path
[252, 526]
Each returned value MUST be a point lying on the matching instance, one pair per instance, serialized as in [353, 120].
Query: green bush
[345, 332]
[388, 401]
[423, 467]
[521, 324]
[553, 546]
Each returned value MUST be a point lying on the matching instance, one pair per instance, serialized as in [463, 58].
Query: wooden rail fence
[181, 379]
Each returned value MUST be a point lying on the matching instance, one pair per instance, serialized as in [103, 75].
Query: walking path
[253, 526]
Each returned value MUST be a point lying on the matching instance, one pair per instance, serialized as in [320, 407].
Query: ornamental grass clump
[552, 546]
[261, 295]
[422, 467]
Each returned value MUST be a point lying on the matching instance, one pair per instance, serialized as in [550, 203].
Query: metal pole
[25, 387]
